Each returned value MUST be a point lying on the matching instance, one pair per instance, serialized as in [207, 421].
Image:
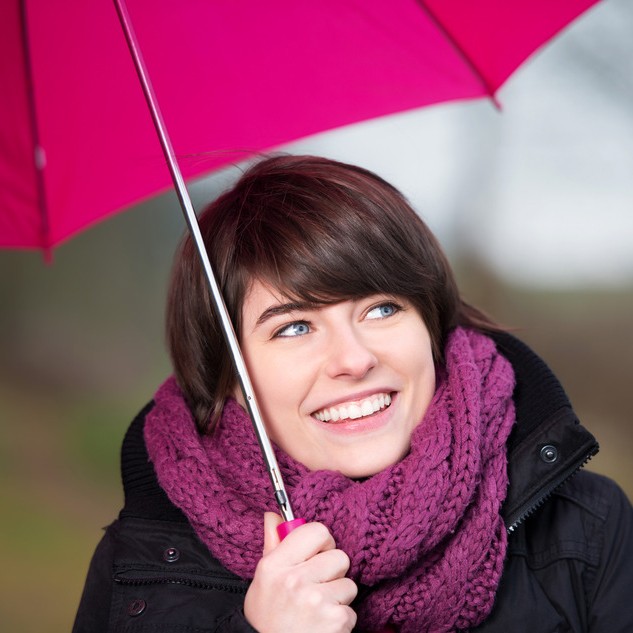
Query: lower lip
[358, 426]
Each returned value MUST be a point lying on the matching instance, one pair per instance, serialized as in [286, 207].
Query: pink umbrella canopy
[232, 78]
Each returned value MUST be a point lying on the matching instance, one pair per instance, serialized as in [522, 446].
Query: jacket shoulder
[569, 564]
[577, 521]
[595, 493]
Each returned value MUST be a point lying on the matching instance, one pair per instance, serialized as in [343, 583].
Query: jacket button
[136, 607]
[171, 554]
[549, 454]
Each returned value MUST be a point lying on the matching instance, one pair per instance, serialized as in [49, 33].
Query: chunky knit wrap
[425, 536]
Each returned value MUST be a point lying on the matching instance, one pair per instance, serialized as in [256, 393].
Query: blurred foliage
[585, 336]
[82, 351]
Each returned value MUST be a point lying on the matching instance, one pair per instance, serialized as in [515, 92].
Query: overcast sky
[542, 190]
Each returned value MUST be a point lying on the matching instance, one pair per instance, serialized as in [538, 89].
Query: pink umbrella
[232, 78]
[80, 145]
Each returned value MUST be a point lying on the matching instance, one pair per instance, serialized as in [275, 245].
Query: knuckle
[266, 566]
[313, 599]
[342, 618]
[322, 533]
[352, 587]
[293, 582]
[351, 618]
[344, 559]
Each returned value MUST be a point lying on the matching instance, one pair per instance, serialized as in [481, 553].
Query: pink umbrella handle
[283, 529]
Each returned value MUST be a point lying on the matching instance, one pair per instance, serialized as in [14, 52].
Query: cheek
[421, 368]
[279, 388]
[426, 388]
[277, 382]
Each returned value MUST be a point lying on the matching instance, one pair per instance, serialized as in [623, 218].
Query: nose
[349, 356]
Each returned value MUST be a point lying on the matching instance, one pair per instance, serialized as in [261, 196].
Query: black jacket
[569, 566]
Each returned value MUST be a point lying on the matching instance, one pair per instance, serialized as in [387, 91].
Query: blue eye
[298, 328]
[382, 311]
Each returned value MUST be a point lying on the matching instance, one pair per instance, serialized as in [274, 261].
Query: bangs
[321, 232]
[325, 254]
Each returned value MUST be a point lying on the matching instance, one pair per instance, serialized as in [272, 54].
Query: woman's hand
[300, 583]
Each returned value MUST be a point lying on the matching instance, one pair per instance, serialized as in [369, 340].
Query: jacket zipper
[535, 505]
[232, 587]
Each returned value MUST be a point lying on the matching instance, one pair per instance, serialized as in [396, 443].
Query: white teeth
[354, 411]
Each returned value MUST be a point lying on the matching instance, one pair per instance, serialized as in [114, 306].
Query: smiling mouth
[354, 411]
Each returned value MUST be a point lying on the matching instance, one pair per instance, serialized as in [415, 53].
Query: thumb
[271, 538]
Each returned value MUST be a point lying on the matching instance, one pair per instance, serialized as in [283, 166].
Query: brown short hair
[318, 230]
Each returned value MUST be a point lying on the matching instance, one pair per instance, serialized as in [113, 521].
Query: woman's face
[342, 386]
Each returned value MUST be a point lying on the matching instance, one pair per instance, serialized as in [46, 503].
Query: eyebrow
[284, 308]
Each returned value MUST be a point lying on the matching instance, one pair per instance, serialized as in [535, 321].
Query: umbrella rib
[39, 156]
[461, 52]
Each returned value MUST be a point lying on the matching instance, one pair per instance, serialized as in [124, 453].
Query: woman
[431, 453]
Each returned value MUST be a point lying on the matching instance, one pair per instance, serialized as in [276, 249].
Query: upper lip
[354, 397]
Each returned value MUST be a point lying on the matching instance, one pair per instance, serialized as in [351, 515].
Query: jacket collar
[548, 444]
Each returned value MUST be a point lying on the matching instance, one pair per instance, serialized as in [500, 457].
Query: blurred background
[532, 203]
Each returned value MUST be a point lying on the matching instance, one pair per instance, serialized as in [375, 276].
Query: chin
[363, 470]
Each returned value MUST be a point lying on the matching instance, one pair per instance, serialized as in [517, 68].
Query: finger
[328, 565]
[305, 542]
[341, 590]
[351, 618]
[341, 617]
[271, 538]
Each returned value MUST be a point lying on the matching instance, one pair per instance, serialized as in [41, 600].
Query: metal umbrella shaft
[218, 301]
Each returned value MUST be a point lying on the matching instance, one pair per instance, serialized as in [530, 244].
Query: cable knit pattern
[425, 535]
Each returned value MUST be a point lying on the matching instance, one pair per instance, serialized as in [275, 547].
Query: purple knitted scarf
[425, 535]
